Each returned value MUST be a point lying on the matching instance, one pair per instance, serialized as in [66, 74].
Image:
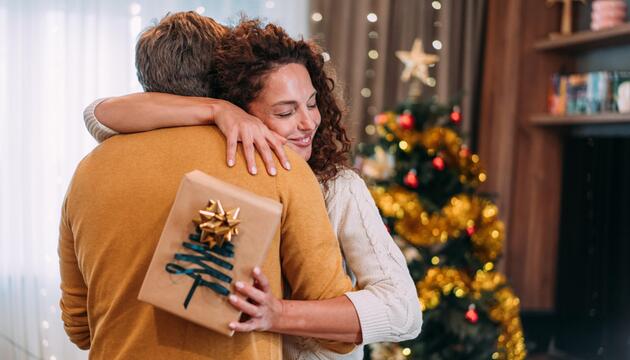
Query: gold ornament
[416, 62]
[567, 15]
[379, 167]
[217, 225]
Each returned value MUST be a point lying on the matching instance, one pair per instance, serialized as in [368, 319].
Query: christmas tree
[424, 181]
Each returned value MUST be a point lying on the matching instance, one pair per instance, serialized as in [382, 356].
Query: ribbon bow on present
[217, 226]
[213, 235]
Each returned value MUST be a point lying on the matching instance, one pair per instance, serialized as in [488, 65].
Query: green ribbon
[202, 253]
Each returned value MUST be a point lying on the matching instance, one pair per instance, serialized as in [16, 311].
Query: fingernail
[230, 163]
[287, 165]
[257, 270]
[273, 171]
[239, 285]
[232, 325]
[233, 298]
[253, 170]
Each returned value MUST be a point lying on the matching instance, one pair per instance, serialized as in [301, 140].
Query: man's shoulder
[184, 134]
[162, 144]
[153, 152]
[300, 169]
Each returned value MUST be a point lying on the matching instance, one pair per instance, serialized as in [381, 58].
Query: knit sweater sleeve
[387, 304]
[98, 131]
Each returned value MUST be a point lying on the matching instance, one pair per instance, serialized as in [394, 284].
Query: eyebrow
[293, 102]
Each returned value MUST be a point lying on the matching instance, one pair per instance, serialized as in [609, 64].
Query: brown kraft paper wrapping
[259, 221]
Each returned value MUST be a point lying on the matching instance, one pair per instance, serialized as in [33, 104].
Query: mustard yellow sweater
[112, 218]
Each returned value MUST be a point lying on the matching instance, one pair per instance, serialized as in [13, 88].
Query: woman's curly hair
[252, 51]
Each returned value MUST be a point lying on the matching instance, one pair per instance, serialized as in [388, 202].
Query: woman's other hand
[263, 308]
[237, 125]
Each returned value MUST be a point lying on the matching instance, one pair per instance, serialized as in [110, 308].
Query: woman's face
[287, 105]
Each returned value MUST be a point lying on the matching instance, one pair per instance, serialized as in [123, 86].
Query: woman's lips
[304, 141]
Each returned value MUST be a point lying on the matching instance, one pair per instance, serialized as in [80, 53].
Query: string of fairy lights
[366, 92]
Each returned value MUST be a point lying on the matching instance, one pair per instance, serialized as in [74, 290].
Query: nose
[307, 120]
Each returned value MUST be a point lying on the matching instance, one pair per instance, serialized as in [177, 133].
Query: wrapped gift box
[189, 275]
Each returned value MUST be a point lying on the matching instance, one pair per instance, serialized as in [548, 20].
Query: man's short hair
[176, 55]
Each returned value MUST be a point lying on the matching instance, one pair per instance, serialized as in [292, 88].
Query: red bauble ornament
[411, 179]
[456, 117]
[471, 230]
[438, 163]
[406, 121]
[471, 315]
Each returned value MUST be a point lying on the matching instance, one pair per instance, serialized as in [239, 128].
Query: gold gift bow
[217, 225]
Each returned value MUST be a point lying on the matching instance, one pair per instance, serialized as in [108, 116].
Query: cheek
[283, 128]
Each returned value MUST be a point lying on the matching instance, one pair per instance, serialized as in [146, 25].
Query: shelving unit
[590, 119]
[587, 40]
[579, 42]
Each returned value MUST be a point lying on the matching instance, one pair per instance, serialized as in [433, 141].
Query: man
[119, 199]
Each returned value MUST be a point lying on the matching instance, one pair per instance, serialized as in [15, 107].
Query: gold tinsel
[441, 281]
[461, 213]
[505, 311]
[387, 351]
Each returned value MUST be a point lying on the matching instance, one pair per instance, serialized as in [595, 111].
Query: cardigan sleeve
[311, 260]
[98, 131]
[387, 304]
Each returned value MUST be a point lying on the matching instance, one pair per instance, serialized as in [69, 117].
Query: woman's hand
[237, 125]
[263, 308]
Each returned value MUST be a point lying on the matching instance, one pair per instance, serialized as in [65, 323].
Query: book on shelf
[585, 93]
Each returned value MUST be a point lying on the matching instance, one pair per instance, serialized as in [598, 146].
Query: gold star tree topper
[217, 225]
[416, 62]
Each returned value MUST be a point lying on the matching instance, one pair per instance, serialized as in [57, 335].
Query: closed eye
[285, 114]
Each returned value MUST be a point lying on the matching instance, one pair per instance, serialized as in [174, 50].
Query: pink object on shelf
[608, 5]
[607, 14]
[605, 25]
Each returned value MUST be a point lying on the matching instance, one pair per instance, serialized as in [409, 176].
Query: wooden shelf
[568, 120]
[587, 40]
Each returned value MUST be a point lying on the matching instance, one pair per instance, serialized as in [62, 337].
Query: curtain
[55, 58]
[452, 29]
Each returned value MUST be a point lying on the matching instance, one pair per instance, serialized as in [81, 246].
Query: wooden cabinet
[521, 146]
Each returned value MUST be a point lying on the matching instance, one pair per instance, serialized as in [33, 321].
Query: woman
[282, 82]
